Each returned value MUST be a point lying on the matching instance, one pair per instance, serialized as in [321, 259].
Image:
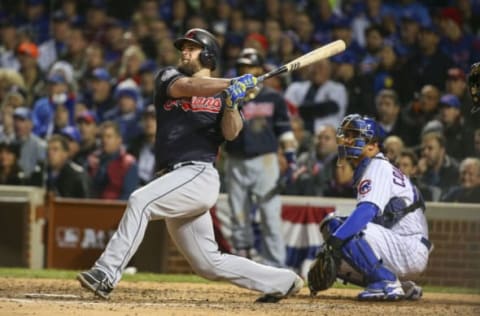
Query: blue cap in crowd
[22, 113]
[71, 133]
[56, 78]
[450, 100]
[411, 16]
[127, 92]
[101, 74]
[341, 22]
[127, 88]
[148, 66]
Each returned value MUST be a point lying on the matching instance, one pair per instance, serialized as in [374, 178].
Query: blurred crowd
[77, 81]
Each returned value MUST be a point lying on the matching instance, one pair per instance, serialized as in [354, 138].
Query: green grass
[70, 274]
[154, 277]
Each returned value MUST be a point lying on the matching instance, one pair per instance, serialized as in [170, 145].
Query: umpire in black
[252, 167]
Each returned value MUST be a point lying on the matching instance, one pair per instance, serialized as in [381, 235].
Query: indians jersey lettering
[195, 104]
[187, 128]
[253, 110]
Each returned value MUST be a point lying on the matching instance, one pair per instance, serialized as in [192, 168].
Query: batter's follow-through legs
[183, 197]
[195, 239]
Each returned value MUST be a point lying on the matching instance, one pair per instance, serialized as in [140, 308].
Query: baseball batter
[385, 239]
[193, 118]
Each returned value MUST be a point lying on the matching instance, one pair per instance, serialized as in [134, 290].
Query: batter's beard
[189, 68]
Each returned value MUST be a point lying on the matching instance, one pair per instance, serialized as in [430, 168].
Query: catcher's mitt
[323, 272]
[474, 86]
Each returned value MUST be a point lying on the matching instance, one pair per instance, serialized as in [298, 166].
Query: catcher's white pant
[183, 197]
[404, 255]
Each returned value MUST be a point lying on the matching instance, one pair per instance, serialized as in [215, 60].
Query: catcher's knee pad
[360, 258]
[329, 225]
[349, 274]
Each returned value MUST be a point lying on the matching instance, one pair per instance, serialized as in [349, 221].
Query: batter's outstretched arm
[196, 86]
[232, 124]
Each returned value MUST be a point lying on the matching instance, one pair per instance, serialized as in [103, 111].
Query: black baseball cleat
[275, 297]
[96, 281]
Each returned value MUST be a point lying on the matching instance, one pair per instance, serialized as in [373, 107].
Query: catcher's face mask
[353, 134]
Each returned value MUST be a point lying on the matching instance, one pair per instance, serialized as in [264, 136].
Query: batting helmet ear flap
[208, 59]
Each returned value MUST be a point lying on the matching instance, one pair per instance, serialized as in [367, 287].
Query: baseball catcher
[474, 86]
[385, 239]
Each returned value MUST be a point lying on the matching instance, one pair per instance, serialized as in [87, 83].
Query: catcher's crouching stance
[385, 239]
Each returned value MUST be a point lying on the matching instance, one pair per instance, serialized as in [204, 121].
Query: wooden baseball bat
[314, 56]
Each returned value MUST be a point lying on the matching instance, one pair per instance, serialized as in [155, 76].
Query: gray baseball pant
[183, 198]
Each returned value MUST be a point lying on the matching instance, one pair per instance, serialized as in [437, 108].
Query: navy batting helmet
[210, 52]
[362, 129]
[250, 57]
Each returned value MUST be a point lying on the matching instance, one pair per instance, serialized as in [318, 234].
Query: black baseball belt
[427, 243]
[170, 168]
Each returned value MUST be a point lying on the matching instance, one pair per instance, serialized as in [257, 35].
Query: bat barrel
[307, 59]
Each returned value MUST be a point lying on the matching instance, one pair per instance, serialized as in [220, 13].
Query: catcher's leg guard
[349, 274]
[358, 254]
[382, 284]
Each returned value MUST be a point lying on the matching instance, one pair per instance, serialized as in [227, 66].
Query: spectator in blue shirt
[45, 108]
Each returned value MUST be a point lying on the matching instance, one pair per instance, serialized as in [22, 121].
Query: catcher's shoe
[275, 297]
[96, 281]
[412, 291]
[382, 291]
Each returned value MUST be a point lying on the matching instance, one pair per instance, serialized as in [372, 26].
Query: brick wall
[455, 260]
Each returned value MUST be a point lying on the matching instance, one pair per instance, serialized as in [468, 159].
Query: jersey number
[398, 177]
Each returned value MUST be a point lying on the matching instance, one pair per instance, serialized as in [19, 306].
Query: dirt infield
[44, 297]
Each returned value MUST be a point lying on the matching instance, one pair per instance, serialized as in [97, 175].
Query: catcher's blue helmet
[362, 130]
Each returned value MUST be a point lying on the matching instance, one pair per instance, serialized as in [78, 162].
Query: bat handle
[272, 73]
[262, 78]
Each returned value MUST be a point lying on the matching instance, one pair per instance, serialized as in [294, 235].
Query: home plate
[51, 296]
